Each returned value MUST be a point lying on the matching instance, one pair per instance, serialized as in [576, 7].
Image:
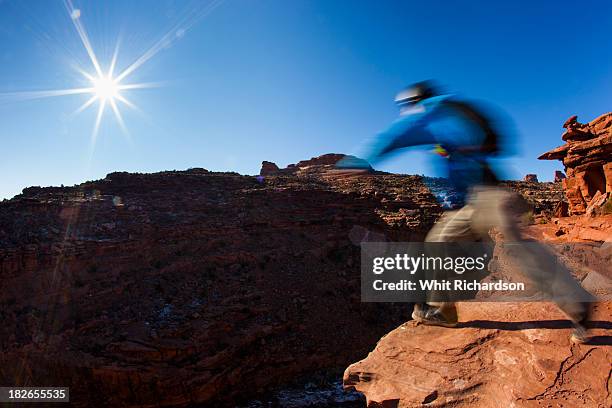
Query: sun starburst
[105, 87]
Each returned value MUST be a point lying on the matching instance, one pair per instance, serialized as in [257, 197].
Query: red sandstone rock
[193, 287]
[268, 168]
[587, 157]
[510, 355]
[531, 178]
[597, 202]
[559, 176]
[503, 354]
[188, 287]
[325, 159]
[315, 165]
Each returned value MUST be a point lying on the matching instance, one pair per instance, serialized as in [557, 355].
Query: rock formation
[515, 355]
[559, 176]
[543, 197]
[314, 165]
[531, 178]
[195, 287]
[325, 159]
[268, 168]
[587, 157]
[187, 287]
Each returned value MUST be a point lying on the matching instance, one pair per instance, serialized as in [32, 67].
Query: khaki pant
[489, 207]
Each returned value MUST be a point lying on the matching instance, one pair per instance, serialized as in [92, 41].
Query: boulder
[597, 202]
[561, 209]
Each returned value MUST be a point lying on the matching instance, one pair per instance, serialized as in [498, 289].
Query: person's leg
[445, 315]
[502, 209]
[454, 226]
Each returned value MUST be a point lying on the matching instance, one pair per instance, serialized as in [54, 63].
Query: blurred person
[466, 140]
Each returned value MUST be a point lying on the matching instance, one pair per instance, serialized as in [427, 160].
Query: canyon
[195, 287]
[187, 287]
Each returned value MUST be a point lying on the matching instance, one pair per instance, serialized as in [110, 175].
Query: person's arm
[407, 131]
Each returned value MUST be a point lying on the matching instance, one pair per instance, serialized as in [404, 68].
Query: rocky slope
[189, 287]
[544, 198]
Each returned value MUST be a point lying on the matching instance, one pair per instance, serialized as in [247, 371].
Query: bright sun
[105, 88]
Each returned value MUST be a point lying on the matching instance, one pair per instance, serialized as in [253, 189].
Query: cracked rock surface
[502, 355]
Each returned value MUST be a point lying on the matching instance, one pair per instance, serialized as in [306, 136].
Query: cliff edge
[502, 355]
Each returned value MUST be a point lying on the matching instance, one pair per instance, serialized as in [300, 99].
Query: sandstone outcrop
[510, 355]
[315, 165]
[504, 354]
[587, 157]
[323, 160]
[531, 178]
[559, 176]
[329, 159]
[268, 168]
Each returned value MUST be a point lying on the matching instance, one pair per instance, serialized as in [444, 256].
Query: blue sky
[287, 80]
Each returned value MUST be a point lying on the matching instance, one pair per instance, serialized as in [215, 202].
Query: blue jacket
[433, 122]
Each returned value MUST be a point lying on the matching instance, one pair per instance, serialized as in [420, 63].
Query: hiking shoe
[579, 334]
[434, 316]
